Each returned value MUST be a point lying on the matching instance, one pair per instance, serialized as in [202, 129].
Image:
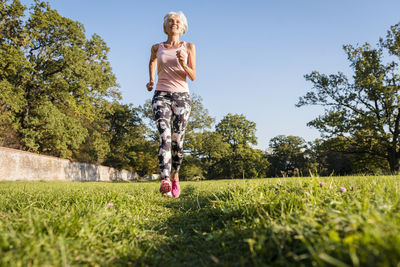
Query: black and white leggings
[178, 106]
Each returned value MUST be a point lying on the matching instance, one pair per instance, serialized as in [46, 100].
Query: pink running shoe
[165, 188]
[176, 189]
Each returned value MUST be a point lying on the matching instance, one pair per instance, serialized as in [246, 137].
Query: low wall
[21, 165]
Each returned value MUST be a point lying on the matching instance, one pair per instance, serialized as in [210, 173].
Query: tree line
[60, 97]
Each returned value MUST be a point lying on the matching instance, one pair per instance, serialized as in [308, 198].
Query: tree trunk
[392, 153]
[393, 159]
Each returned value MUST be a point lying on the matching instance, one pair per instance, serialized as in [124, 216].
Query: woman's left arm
[190, 66]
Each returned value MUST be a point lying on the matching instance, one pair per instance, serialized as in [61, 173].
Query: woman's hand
[152, 67]
[188, 60]
[182, 57]
[149, 86]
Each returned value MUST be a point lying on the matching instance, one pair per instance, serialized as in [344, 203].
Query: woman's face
[174, 25]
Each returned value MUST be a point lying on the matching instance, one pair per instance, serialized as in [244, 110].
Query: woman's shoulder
[154, 47]
[190, 46]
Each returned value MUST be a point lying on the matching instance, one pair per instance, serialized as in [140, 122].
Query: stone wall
[21, 165]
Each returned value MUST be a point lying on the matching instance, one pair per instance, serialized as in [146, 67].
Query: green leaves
[240, 160]
[225, 152]
[236, 129]
[55, 83]
[368, 103]
[392, 41]
[287, 153]
[51, 131]
[129, 149]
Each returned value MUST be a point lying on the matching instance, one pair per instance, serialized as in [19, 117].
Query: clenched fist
[149, 86]
[182, 57]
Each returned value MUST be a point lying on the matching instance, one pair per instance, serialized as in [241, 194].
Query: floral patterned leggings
[165, 105]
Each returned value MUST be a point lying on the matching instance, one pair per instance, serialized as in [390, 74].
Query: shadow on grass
[195, 235]
[198, 234]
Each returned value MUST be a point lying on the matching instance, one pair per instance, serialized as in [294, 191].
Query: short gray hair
[184, 24]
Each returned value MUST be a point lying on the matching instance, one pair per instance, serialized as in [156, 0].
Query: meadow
[281, 221]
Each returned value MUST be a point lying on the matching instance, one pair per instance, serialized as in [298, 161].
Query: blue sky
[251, 55]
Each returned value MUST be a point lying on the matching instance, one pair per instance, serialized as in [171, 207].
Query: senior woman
[174, 60]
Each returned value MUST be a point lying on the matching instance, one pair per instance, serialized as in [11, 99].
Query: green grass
[289, 221]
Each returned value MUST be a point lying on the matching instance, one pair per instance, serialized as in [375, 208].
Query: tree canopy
[287, 155]
[56, 84]
[366, 108]
[240, 160]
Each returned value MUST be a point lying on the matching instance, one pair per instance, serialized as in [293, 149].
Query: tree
[97, 144]
[129, 149]
[336, 155]
[241, 160]
[237, 130]
[57, 83]
[206, 149]
[12, 71]
[287, 153]
[199, 119]
[366, 109]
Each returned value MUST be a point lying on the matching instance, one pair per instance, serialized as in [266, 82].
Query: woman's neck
[173, 40]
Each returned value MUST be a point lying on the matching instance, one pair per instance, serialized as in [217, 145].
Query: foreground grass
[233, 222]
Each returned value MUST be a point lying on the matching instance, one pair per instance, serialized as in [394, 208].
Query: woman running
[174, 60]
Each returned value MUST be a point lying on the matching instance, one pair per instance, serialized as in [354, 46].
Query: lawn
[282, 221]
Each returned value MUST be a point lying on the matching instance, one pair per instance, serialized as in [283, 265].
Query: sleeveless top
[171, 75]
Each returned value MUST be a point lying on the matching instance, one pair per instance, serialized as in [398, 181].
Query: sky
[251, 55]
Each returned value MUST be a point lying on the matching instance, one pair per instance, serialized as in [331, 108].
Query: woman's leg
[181, 107]
[162, 111]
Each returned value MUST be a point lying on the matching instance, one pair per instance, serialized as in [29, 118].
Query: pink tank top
[171, 75]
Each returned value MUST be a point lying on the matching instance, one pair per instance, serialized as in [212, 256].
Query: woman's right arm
[152, 67]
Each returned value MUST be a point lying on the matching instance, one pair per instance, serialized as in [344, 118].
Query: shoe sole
[168, 195]
[165, 188]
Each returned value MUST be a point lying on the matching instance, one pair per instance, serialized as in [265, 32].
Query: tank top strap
[184, 44]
